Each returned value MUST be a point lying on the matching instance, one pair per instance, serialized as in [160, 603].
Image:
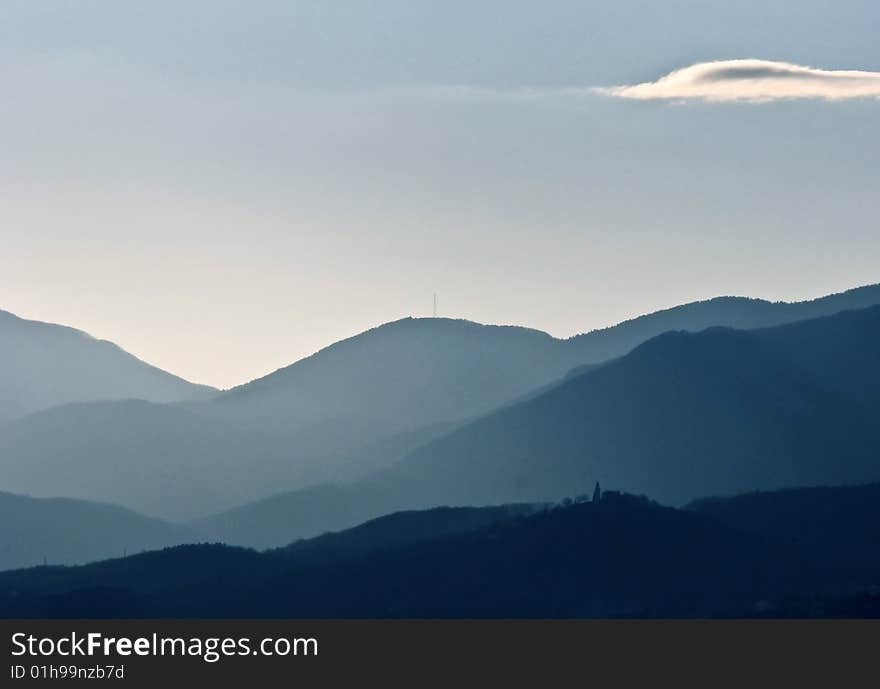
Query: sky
[225, 187]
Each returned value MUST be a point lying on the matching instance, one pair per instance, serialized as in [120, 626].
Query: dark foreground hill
[64, 531]
[621, 556]
[400, 529]
[839, 526]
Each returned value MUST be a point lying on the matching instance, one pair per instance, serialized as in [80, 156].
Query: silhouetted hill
[43, 365]
[136, 582]
[839, 526]
[63, 531]
[622, 556]
[683, 415]
[400, 529]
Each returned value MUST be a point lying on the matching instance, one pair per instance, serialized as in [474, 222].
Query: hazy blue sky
[223, 187]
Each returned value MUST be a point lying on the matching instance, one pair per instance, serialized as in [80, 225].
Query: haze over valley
[717, 397]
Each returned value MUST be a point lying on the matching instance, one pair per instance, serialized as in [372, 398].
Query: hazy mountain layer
[732, 312]
[684, 415]
[64, 531]
[161, 460]
[417, 372]
[367, 402]
[43, 365]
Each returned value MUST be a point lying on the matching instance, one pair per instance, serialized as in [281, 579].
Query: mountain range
[405, 390]
[683, 415]
[65, 531]
[421, 371]
[424, 412]
[615, 556]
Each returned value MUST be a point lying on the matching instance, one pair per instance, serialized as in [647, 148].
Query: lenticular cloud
[752, 81]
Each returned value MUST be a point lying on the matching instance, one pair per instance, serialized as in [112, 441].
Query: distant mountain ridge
[683, 415]
[43, 365]
[404, 375]
[390, 372]
[741, 313]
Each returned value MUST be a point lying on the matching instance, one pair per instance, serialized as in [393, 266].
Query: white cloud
[752, 81]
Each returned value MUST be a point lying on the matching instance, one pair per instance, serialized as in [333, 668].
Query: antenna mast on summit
[435, 305]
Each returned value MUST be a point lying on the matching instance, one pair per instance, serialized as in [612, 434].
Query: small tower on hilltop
[597, 493]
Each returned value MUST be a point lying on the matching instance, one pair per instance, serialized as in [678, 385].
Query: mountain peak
[45, 364]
